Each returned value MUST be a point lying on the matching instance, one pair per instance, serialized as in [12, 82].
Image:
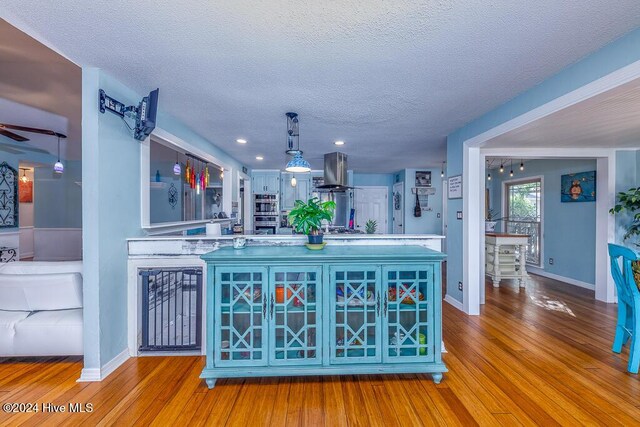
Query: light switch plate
[459, 215]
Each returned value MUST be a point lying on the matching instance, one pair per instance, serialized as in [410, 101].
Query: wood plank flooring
[540, 356]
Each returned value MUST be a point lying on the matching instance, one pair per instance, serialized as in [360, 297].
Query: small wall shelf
[423, 191]
[154, 185]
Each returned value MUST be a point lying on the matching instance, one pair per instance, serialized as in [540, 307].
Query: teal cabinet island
[288, 311]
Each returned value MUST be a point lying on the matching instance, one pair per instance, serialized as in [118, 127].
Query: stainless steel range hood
[335, 172]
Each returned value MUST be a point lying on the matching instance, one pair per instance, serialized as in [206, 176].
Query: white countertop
[295, 237]
[180, 246]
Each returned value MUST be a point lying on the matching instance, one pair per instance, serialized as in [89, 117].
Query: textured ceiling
[608, 120]
[391, 78]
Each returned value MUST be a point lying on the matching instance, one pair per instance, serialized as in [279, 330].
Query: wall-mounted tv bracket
[115, 106]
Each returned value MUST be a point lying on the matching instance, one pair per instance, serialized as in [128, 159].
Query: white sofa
[41, 309]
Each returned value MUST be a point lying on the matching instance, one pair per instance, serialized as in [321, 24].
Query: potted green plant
[629, 201]
[371, 226]
[307, 217]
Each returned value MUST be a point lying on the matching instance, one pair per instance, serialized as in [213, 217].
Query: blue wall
[627, 176]
[57, 198]
[568, 228]
[428, 223]
[617, 54]
[111, 211]
[111, 214]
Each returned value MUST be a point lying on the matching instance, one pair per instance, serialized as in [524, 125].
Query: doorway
[371, 203]
[398, 208]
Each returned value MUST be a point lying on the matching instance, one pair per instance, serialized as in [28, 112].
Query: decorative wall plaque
[8, 196]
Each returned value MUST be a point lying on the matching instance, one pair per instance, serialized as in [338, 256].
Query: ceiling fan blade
[12, 135]
[32, 130]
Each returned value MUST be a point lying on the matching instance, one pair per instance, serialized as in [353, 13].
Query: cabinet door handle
[377, 303]
[264, 307]
[272, 304]
[385, 304]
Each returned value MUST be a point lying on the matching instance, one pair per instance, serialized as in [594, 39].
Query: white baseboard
[89, 375]
[56, 258]
[57, 244]
[99, 374]
[567, 280]
[454, 302]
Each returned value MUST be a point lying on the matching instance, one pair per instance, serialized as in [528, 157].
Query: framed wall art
[423, 179]
[578, 187]
[8, 196]
[454, 187]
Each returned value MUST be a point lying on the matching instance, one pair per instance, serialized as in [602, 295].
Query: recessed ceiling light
[339, 142]
[241, 141]
[259, 158]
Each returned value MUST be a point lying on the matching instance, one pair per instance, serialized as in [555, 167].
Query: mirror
[176, 198]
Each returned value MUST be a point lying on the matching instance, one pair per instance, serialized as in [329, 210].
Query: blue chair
[628, 325]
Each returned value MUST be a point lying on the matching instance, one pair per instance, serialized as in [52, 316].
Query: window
[172, 198]
[168, 202]
[524, 214]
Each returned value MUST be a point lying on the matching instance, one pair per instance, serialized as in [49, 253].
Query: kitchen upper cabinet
[267, 182]
[289, 194]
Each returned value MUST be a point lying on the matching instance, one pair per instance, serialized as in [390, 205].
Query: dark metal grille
[171, 309]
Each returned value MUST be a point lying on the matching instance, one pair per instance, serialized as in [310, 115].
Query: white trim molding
[174, 142]
[99, 374]
[568, 280]
[453, 302]
[473, 184]
[57, 244]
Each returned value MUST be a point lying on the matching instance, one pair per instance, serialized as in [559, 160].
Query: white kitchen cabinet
[289, 194]
[265, 182]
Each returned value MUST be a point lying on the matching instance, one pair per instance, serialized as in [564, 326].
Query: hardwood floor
[536, 356]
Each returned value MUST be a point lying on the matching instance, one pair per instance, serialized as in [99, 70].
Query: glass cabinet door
[406, 307]
[355, 310]
[294, 315]
[240, 295]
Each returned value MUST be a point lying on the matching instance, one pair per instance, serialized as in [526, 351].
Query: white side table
[505, 257]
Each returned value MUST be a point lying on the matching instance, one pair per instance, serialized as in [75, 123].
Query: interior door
[398, 208]
[371, 203]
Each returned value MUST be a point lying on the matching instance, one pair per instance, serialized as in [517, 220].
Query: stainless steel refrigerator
[344, 201]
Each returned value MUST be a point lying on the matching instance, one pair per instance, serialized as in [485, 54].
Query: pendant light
[521, 165]
[298, 163]
[442, 170]
[294, 182]
[177, 170]
[501, 166]
[24, 178]
[511, 171]
[58, 167]
[489, 169]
